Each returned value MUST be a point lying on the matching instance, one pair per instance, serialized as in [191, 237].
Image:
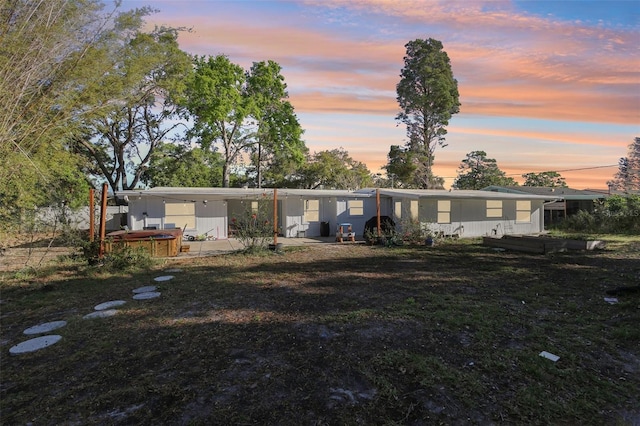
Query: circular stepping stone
[35, 344]
[163, 278]
[145, 289]
[173, 270]
[45, 327]
[101, 314]
[108, 305]
[147, 295]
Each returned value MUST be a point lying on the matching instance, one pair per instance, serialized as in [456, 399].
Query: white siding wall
[293, 214]
[147, 212]
[469, 218]
[211, 219]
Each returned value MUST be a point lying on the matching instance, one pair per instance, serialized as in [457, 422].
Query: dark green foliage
[239, 112]
[546, 179]
[428, 97]
[617, 214]
[137, 105]
[333, 169]
[124, 258]
[477, 171]
[178, 165]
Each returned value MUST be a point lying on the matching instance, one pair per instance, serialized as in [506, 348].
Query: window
[255, 207]
[413, 208]
[397, 209]
[356, 207]
[180, 215]
[494, 208]
[311, 211]
[523, 211]
[444, 211]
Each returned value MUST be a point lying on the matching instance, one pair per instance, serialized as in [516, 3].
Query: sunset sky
[544, 85]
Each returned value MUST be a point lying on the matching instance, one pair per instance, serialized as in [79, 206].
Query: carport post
[92, 215]
[275, 216]
[103, 219]
[378, 210]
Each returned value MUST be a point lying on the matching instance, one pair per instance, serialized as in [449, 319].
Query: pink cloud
[507, 64]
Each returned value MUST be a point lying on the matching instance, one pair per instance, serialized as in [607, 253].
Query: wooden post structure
[92, 215]
[103, 219]
[378, 211]
[275, 217]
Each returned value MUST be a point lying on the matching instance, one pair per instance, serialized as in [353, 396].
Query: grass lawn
[332, 334]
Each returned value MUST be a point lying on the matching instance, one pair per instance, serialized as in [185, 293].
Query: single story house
[569, 201]
[466, 213]
[211, 212]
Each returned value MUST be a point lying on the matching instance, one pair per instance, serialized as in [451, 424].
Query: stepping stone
[108, 305]
[145, 289]
[45, 328]
[163, 278]
[35, 344]
[147, 295]
[101, 314]
[173, 270]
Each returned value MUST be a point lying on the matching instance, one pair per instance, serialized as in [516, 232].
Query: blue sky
[544, 85]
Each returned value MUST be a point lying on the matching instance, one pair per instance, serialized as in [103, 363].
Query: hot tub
[158, 243]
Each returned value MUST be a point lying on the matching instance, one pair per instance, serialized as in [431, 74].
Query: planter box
[541, 245]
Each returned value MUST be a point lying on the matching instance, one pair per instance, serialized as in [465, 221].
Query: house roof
[186, 193]
[456, 194]
[557, 192]
[180, 193]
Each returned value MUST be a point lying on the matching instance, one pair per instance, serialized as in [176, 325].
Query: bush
[413, 231]
[615, 215]
[583, 221]
[123, 258]
[254, 226]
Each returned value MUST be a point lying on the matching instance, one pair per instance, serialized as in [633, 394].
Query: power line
[571, 170]
[558, 171]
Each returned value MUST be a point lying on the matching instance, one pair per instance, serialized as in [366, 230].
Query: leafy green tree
[149, 70]
[477, 171]
[46, 60]
[51, 55]
[245, 112]
[217, 99]
[628, 176]
[278, 150]
[408, 169]
[334, 169]
[549, 179]
[179, 165]
[428, 96]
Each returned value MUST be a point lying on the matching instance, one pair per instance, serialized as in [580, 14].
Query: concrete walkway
[214, 247]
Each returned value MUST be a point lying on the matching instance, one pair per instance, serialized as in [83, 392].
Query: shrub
[413, 231]
[254, 226]
[123, 258]
[616, 215]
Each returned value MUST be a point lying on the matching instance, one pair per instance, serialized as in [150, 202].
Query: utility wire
[558, 171]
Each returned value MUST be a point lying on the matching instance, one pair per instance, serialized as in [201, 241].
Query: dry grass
[335, 334]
